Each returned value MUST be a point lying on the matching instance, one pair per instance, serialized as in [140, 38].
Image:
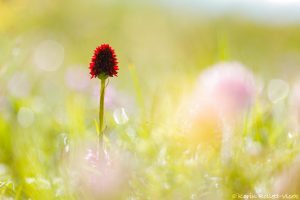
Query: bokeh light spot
[120, 116]
[48, 55]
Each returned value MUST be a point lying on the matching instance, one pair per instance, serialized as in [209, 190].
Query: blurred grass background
[48, 110]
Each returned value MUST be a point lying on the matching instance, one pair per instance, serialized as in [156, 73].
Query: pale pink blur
[288, 182]
[100, 174]
[76, 78]
[221, 96]
[229, 87]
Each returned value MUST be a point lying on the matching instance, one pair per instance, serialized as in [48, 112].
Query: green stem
[101, 110]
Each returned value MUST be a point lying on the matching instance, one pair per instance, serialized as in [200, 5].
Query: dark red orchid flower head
[104, 62]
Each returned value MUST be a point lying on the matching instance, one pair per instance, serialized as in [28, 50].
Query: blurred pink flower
[223, 92]
[230, 88]
[100, 174]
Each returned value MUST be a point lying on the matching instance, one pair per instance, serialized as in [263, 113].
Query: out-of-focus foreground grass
[48, 104]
